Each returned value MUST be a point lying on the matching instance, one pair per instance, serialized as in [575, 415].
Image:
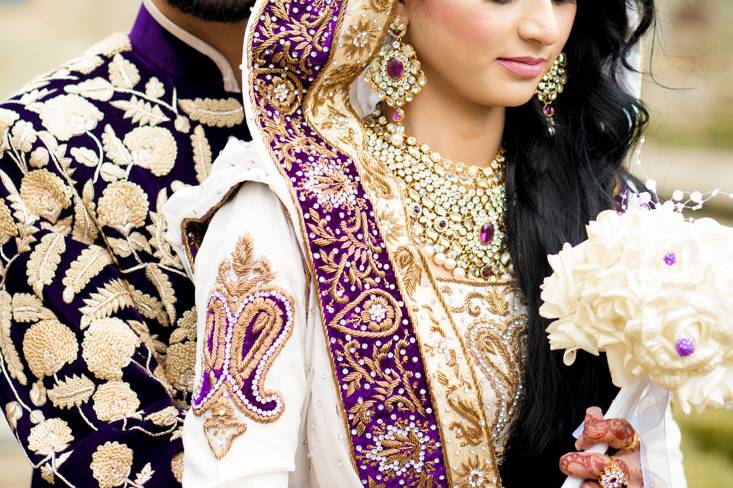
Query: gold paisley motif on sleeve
[248, 322]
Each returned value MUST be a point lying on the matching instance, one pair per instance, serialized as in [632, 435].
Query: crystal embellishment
[684, 347]
[486, 234]
[670, 259]
[395, 69]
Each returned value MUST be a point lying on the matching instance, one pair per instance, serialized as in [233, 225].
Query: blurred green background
[689, 145]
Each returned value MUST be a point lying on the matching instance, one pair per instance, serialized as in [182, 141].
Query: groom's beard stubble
[215, 10]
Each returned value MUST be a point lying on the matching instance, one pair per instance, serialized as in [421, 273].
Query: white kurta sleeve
[243, 428]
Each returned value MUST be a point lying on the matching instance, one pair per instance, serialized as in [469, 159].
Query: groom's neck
[225, 37]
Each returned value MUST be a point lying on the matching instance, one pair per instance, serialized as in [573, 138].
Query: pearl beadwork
[456, 211]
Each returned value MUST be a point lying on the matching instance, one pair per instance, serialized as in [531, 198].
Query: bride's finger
[590, 484]
[617, 433]
[583, 465]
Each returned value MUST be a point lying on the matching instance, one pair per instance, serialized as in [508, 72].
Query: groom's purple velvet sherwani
[96, 314]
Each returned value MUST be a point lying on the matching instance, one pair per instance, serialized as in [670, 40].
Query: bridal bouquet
[654, 291]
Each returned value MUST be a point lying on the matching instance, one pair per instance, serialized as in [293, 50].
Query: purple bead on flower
[684, 347]
[670, 259]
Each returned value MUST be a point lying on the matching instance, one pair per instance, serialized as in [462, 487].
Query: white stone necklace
[456, 211]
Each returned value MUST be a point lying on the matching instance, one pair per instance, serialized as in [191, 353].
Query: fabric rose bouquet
[654, 291]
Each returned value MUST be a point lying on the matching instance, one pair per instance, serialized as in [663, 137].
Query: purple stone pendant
[395, 69]
[670, 259]
[486, 234]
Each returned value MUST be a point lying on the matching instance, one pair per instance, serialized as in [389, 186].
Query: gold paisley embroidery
[108, 347]
[237, 357]
[47, 346]
[111, 464]
[214, 113]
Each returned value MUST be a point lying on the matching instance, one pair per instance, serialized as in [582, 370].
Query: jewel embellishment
[487, 233]
[684, 347]
[670, 259]
[456, 210]
[395, 69]
[396, 74]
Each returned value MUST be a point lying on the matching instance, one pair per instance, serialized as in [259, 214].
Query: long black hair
[555, 186]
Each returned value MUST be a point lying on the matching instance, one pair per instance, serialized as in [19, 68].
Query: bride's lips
[525, 67]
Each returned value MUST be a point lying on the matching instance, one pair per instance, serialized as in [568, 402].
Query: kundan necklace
[456, 211]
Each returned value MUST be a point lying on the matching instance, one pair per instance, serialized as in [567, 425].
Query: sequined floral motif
[248, 322]
[403, 450]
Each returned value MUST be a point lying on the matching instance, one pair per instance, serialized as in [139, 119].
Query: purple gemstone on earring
[395, 69]
[487, 233]
[548, 111]
[670, 259]
[684, 347]
[397, 115]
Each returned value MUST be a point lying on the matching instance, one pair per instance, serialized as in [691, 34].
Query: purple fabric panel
[335, 313]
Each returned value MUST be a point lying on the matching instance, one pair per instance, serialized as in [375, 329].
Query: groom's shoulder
[71, 100]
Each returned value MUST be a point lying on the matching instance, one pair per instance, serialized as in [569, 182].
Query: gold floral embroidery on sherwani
[248, 322]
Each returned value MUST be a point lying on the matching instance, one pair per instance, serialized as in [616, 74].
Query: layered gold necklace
[456, 211]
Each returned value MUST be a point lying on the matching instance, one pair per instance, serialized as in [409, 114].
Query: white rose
[679, 338]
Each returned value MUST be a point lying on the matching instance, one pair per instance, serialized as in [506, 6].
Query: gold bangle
[612, 476]
[634, 443]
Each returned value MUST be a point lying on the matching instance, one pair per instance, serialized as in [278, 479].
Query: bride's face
[491, 52]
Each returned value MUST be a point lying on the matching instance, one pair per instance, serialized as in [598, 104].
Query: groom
[97, 324]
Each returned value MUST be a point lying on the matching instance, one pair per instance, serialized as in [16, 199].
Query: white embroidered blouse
[250, 272]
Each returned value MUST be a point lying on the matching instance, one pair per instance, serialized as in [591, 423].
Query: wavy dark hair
[555, 186]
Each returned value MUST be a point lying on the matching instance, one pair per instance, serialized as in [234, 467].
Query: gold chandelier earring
[550, 87]
[396, 74]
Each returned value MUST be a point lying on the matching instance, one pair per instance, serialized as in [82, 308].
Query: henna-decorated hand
[618, 434]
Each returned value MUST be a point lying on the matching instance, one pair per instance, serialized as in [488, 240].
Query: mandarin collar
[184, 57]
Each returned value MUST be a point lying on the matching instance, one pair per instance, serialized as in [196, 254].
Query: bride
[368, 267]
